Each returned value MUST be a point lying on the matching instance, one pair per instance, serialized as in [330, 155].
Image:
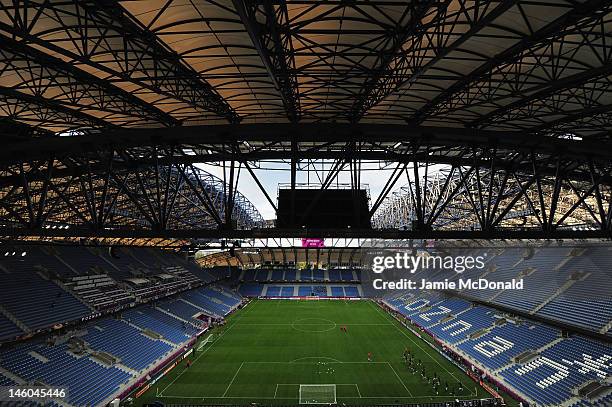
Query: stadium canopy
[508, 102]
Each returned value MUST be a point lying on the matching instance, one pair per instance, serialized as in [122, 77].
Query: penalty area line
[400, 379]
[233, 378]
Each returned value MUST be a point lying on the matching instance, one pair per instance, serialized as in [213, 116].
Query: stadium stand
[89, 382]
[78, 282]
[347, 275]
[118, 338]
[100, 291]
[265, 275]
[142, 339]
[21, 284]
[251, 289]
[305, 290]
[334, 275]
[8, 329]
[290, 275]
[180, 308]
[529, 357]
[498, 346]
[297, 290]
[570, 286]
[337, 291]
[5, 381]
[351, 291]
[550, 377]
[170, 329]
[273, 291]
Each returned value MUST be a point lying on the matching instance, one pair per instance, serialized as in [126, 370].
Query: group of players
[415, 365]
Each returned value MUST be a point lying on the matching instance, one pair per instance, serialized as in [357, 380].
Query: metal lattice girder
[158, 197]
[543, 113]
[412, 19]
[102, 35]
[431, 42]
[12, 130]
[481, 199]
[535, 185]
[564, 53]
[38, 111]
[268, 26]
[254, 142]
[33, 72]
[596, 121]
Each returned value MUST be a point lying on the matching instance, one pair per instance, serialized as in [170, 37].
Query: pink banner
[310, 242]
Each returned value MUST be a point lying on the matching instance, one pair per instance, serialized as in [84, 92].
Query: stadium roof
[514, 96]
[537, 66]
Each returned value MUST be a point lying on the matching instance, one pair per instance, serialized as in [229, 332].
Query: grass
[269, 348]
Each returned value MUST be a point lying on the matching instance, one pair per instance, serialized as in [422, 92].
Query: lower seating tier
[530, 357]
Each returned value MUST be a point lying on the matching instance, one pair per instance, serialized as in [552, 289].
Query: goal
[202, 345]
[317, 394]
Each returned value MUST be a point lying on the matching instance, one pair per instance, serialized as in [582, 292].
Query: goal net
[202, 345]
[317, 394]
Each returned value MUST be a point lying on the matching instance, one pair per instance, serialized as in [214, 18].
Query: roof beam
[141, 57]
[45, 72]
[272, 40]
[408, 64]
[38, 111]
[384, 64]
[574, 117]
[324, 133]
[545, 35]
[553, 88]
[11, 130]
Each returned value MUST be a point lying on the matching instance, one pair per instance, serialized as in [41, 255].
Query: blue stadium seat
[8, 329]
[287, 291]
[337, 291]
[290, 275]
[89, 383]
[125, 342]
[52, 303]
[304, 290]
[173, 331]
[251, 290]
[351, 291]
[273, 291]
[334, 275]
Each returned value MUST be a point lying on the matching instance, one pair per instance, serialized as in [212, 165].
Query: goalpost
[317, 394]
[202, 345]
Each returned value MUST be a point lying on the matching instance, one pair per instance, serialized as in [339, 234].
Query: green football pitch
[271, 352]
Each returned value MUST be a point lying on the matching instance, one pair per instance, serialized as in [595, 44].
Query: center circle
[313, 325]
